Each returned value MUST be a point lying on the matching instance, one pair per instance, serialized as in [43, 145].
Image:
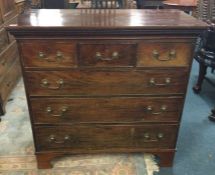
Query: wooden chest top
[83, 21]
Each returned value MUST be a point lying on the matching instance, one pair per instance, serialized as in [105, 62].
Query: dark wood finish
[106, 82]
[121, 86]
[164, 157]
[9, 71]
[165, 53]
[118, 22]
[107, 54]
[49, 54]
[103, 137]
[106, 110]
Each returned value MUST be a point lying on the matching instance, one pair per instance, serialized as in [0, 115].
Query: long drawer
[87, 82]
[101, 137]
[106, 110]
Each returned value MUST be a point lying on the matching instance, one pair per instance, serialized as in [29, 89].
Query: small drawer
[107, 54]
[101, 83]
[7, 58]
[3, 39]
[104, 137]
[48, 54]
[164, 54]
[106, 110]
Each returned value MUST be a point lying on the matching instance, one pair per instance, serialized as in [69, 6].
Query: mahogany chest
[105, 81]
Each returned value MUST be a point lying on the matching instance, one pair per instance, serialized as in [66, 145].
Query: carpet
[17, 150]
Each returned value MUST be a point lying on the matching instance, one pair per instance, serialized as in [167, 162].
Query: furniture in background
[54, 4]
[188, 6]
[9, 62]
[205, 55]
[212, 116]
[149, 4]
[106, 4]
[104, 81]
[206, 10]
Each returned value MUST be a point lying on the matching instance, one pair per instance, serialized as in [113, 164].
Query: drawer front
[164, 54]
[3, 39]
[107, 54]
[7, 57]
[48, 54]
[89, 82]
[10, 79]
[106, 110]
[101, 137]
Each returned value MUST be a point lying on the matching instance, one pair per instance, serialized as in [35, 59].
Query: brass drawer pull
[62, 111]
[163, 108]
[166, 82]
[148, 138]
[171, 55]
[59, 56]
[115, 55]
[42, 55]
[45, 83]
[160, 135]
[53, 139]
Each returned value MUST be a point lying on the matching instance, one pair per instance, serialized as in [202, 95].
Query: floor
[196, 143]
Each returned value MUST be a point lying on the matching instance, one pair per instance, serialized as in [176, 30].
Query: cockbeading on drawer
[101, 83]
[101, 137]
[164, 53]
[106, 110]
[48, 53]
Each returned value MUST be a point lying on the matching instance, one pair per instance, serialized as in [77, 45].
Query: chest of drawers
[105, 81]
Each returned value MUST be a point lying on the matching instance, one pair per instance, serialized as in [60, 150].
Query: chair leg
[212, 116]
[202, 73]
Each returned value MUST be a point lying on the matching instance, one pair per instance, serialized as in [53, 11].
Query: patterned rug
[17, 150]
